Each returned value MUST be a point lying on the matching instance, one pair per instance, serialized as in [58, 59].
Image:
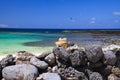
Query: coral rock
[94, 65]
[7, 61]
[50, 59]
[109, 58]
[38, 63]
[107, 70]
[70, 44]
[113, 77]
[20, 72]
[49, 76]
[116, 71]
[61, 53]
[23, 57]
[77, 58]
[94, 53]
[94, 75]
[44, 54]
[113, 47]
[71, 74]
[0, 72]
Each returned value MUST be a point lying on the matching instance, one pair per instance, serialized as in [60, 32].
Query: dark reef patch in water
[44, 43]
[50, 43]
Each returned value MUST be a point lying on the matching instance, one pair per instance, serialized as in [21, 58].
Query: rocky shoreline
[94, 32]
[70, 63]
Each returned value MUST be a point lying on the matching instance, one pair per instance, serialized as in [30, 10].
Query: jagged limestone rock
[94, 65]
[61, 53]
[48, 76]
[94, 53]
[50, 59]
[112, 47]
[54, 69]
[20, 72]
[94, 75]
[0, 72]
[106, 70]
[38, 63]
[23, 57]
[77, 58]
[116, 71]
[113, 77]
[71, 49]
[44, 54]
[71, 74]
[9, 60]
[109, 58]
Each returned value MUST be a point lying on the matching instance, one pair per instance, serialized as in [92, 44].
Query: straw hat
[61, 41]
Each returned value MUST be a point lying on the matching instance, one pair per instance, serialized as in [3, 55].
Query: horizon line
[67, 28]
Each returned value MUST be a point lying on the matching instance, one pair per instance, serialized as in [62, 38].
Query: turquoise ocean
[37, 41]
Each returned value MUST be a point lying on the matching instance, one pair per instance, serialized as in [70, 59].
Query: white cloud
[92, 20]
[116, 13]
[116, 21]
[3, 25]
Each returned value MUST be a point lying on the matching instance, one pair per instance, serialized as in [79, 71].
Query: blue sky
[79, 14]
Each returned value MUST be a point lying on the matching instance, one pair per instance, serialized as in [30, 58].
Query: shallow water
[12, 42]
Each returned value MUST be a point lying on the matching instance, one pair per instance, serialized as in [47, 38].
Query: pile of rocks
[71, 63]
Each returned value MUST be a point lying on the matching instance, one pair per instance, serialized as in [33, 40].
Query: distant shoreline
[94, 31]
[63, 28]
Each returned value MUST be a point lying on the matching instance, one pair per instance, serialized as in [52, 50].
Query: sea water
[12, 42]
[37, 41]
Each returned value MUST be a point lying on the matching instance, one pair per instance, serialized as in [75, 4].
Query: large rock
[71, 49]
[118, 59]
[7, 61]
[77, 58]
[0, 72]
[113, 77]
[2, 79]
[109, 58]
[20, 72]
[71, 74]
[38, 63]
[94, 53]
[113, 47]
[94, 75]
[49, 76]
[61, 53]
[23, 57]
[94, 65]
[116, 71]
[117, 63]
[70, 44]
[54, 69]
[106, 71]
[44, 54]
[50, 59]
